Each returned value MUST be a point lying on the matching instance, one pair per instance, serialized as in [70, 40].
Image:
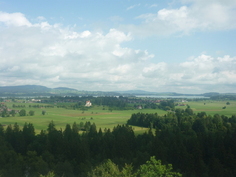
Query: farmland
[212, 107]
[102, 116]
[61, 116]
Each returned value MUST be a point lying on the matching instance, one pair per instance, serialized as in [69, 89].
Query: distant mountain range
[38, 90]
[33, 90]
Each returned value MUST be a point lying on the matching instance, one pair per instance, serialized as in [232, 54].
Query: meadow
[212, 107]
[103, 118]
[61, 116]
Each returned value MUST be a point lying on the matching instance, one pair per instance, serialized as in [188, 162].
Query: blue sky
[185, 46]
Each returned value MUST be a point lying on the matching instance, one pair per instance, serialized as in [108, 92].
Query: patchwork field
[103, 118]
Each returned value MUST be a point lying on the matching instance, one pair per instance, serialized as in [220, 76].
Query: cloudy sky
[184, 46]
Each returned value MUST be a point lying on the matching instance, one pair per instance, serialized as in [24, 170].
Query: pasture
[212, 107]
[103, 118]
[61, 116]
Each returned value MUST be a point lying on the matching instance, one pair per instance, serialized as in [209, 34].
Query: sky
[183, 46]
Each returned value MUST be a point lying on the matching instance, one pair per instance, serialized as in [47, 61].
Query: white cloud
[49, 54]
[153, 5]
[16, 19]
[195, 15]
[133, 6]
[202, 73]
[53, 55]
[41, 18]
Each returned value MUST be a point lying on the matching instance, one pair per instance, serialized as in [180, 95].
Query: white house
[88, 104]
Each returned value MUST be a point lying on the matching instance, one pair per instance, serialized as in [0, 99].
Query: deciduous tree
[154, 168]
[22, 112]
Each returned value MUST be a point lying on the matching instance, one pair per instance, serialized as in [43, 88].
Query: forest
[193, 144]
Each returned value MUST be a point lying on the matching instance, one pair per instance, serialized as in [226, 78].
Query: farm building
[88, 104]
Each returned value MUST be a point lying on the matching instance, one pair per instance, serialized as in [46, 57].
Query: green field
[103, 118]
[61, 116]
[212, 107]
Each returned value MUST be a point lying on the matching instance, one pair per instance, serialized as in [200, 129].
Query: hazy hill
[38, 90]
[32, 90]
[24, 89]
[65, 88]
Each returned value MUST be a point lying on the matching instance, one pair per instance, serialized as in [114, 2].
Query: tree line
[70, 153]
[114, 103]
[198, 144]
[195, 145]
